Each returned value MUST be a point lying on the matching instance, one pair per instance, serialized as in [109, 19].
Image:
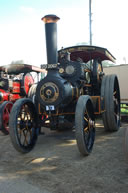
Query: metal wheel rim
[6, 114]
[26, 127]
[116, 100]
[88, 127]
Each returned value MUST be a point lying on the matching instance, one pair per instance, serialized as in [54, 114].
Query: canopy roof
[87, 53]
[20, 68]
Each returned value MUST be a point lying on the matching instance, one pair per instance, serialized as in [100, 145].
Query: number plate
[50, 108]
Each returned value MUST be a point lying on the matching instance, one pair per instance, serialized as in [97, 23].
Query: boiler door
[49, 92]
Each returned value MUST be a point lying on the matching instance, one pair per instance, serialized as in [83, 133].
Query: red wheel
[5, 109]
[26, 82]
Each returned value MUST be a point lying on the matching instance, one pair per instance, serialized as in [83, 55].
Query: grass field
[124, 109]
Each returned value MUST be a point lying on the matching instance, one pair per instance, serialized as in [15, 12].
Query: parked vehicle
[16, 81]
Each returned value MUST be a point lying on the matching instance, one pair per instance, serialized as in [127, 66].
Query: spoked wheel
[5, 109]
[111, 93]
[22, 124]
[85, 125]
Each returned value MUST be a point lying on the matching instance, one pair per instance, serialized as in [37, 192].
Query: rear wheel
[85, 125]
[23, 127]
[5, 109]
[26, 82]
[111, 94]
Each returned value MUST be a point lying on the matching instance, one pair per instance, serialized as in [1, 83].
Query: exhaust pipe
[51, 39]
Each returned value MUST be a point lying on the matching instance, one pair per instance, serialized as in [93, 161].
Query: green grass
[124, 109]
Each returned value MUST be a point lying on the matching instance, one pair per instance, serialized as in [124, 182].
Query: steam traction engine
[75, 90]
[15, 82]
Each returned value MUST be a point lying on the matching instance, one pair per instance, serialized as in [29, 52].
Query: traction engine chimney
[51, 38]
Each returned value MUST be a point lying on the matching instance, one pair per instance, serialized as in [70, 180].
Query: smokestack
[51, 38]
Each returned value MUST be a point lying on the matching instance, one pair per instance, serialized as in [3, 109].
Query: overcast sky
[22, 31]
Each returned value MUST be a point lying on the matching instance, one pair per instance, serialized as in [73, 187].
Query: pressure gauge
[61, 70]
[70, 69]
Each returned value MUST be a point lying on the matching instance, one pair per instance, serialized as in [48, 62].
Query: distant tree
[124, 59]
[17, 62]
[81, 43]
[106, 63]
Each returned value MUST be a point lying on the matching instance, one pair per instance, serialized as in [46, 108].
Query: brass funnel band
[50, 19]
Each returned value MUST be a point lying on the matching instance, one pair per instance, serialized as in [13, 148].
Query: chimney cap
[50, 18]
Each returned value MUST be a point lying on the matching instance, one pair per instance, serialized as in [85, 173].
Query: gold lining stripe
[88, 85]
[86, 70]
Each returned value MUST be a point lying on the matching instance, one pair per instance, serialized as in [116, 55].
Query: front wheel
[23, 127]
[85, 125]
